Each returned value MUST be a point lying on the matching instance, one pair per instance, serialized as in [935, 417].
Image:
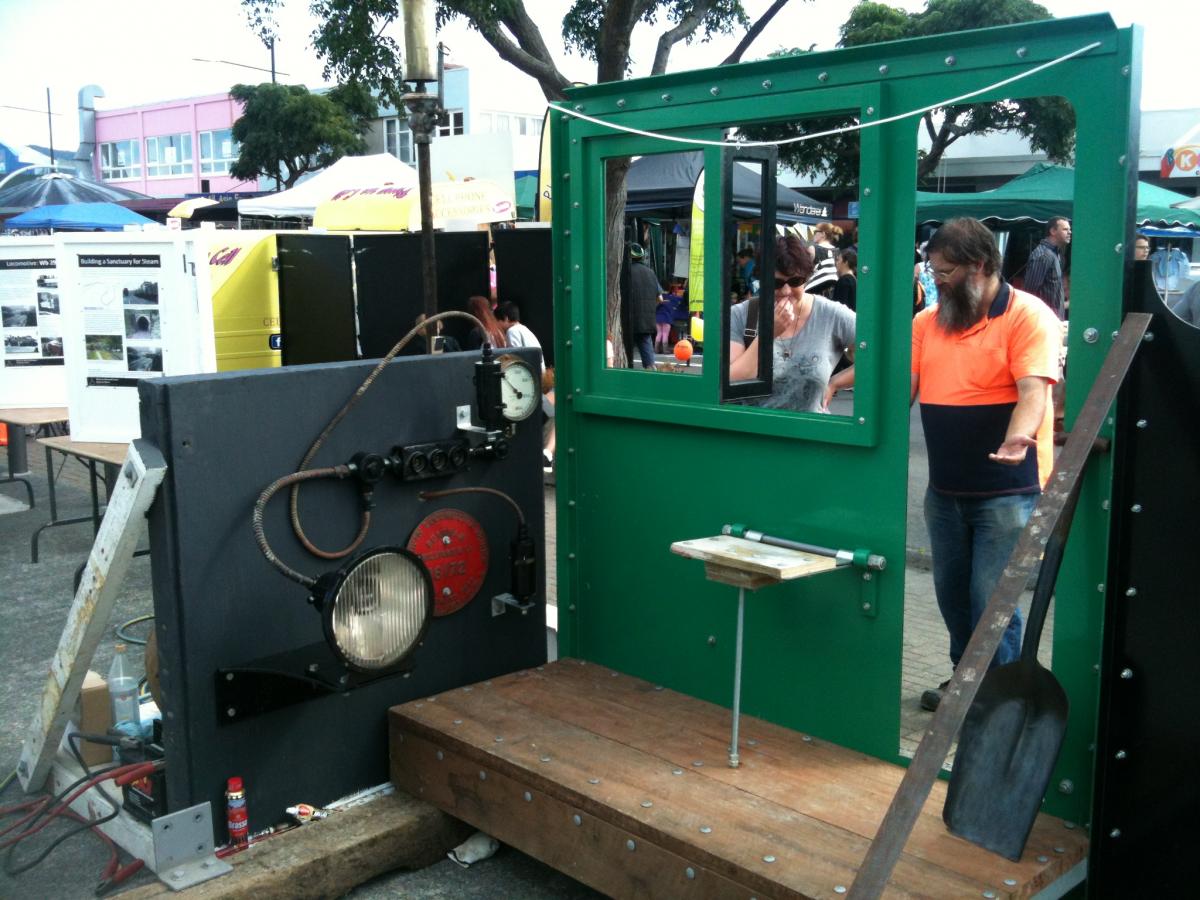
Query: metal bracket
[868, 594]
[183, 847]
[501, 603]
[463, 414]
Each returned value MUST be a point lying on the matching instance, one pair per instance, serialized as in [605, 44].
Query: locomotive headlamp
[377, 608]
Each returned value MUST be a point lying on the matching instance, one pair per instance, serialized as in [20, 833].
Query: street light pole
[423, 113]
[50, 125]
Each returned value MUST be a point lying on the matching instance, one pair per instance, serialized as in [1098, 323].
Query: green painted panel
[645, 460]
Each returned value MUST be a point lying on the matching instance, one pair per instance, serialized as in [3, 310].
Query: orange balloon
[683, 350]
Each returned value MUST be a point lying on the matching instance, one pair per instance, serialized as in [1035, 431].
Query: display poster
[133, 312]
[31, 319]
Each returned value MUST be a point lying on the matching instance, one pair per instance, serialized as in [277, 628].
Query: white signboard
[136, 306]
[32, 372]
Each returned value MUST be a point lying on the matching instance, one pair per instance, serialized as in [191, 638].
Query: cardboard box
[95, 717]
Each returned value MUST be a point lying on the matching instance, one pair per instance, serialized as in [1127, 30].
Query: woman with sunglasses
[812, 334]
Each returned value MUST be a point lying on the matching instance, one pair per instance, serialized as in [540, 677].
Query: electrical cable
[951, 101]
[9, 779]
[294, 504]
[135, 621]
[450, 492]
[260, 532]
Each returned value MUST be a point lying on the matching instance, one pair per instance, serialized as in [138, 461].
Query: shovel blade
[1006, 754]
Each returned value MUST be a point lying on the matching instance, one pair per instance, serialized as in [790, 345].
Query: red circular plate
[454, 548]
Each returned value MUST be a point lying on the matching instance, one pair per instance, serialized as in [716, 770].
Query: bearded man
[983, 362]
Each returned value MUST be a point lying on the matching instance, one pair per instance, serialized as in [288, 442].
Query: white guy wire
[822, 134]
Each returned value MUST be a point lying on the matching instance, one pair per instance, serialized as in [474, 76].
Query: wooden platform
[625, 786]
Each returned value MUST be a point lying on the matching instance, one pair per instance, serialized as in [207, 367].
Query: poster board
[135, 306]
[33, 371]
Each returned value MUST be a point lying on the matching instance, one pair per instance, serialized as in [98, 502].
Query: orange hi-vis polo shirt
[968, 390]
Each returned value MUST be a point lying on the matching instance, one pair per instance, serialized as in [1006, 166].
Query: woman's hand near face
[785, 315]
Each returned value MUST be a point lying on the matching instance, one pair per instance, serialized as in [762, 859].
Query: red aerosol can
[235, 812]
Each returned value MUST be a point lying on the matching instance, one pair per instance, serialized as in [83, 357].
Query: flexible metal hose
[450, 492]
[260, 533]
[336, 420]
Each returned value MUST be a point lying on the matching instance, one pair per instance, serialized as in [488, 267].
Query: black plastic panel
[220, 605]
[1145, 829]
[316, 298]
[524, 276]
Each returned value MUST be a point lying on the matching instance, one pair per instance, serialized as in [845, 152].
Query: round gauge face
[520, 391]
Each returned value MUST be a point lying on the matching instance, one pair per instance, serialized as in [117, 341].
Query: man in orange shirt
[983, 361]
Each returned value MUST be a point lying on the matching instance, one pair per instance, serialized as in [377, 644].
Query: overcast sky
[142, 51]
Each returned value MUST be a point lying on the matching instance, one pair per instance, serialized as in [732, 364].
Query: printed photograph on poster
[52, 347]
[47, 281]
[144, 359]
[142, 325]
[18, 316]
[107, 347]
[47, 303]
[20, 344]
[140, 293]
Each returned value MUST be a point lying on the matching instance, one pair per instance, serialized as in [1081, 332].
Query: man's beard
[960, 306]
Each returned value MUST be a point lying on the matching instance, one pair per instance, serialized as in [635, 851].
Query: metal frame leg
[734, 760]
[18, 461]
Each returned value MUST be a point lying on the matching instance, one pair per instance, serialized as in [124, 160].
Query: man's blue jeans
[645, 345]
[972, 540]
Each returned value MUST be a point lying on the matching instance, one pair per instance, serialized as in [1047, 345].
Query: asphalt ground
[34, 600]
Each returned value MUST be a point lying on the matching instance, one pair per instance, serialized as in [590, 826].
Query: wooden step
[626, 787]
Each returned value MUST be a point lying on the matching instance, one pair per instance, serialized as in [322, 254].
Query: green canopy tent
[1043, 192]
[527, 197]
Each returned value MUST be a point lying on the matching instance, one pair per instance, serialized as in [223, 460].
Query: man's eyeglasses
[945, 274]
[795, 281]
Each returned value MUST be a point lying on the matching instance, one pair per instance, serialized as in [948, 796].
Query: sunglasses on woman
[795, 281]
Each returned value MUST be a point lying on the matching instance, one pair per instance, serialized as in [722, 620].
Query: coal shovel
[1013, 731]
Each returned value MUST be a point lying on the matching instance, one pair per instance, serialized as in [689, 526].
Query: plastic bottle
[122, 693]
[236, 816]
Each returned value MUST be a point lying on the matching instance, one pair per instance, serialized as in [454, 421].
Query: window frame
[133, 169]
[399, 126]
[184, 165]
[217, 165]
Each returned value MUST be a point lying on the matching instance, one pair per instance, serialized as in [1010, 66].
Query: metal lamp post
[424, 110]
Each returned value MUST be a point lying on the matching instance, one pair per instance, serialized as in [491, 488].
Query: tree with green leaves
[350, 40]
[1047, 122]
[285, 131]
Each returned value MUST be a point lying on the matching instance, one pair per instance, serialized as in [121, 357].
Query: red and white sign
[454, 549]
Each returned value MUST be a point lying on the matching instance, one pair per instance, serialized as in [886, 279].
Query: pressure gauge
[520, 392]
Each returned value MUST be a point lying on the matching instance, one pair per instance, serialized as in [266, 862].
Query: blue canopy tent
[77, 217]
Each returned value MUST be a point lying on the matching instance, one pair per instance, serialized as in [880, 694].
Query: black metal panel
[524, 276]
[391, 294]
[316, 300]
[1145, 829]
[221, 606]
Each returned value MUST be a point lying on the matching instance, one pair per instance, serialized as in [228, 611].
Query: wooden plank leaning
[918, 780]
[109, 560]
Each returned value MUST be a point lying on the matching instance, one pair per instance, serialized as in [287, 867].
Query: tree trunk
[614, 253]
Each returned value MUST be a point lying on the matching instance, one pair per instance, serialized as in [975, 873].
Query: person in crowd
[745, 264]
[925, 291]
[547, 419]
[1044, 271]
[645, 294]
[812, 334]
[824, 275]
[508, 315]
[481, 308]
[1141, 247]
[983, 362]
[845, 291]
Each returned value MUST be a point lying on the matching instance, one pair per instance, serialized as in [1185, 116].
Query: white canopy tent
[347, 173]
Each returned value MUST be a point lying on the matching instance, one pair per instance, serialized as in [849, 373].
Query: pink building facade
[171, 148]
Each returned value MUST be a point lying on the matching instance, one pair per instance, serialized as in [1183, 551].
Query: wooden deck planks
[583, 740]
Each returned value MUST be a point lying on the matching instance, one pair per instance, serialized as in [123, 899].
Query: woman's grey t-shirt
[804, 362]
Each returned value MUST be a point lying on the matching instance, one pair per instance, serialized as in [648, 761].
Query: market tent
[1189, 203]
[1041, 193]
[527, 196]
[663, 183]
[58, 188]
[78, 217]
[456, 204]
[377, 170]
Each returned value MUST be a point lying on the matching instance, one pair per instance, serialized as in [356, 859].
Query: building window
[120, 159]
[218, 151]
[169, 154]
[397, 140]
[454, 124]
